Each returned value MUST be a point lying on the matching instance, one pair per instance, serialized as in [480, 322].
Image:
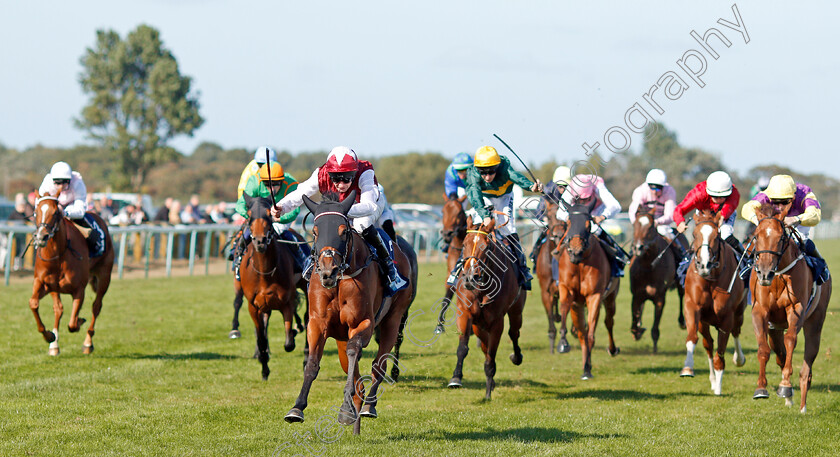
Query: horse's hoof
[586, 376]
[564, 346]
[681, 322]
[294, 415]
[760, 393]
[784, 392]
[79, 322]
[368, 411]
[234, 335]
[439, 329]
[687, 372]
[454, 383]
[300, 328]
[87, 349]
[289, 347]
[638, 332]
[52, 351]
[347, 417]
[49, 336]
[614, 352]
[516, 359]
[739, 361]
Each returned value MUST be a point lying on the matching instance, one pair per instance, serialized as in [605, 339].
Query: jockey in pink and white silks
[581, 190]
[656, 192]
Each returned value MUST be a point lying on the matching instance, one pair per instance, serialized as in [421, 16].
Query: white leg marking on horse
[712, 378]
[718, 385]
[802, 410]
[689, 354]
[738, 354]
[54, 344]
[705, 252]
[788, 402]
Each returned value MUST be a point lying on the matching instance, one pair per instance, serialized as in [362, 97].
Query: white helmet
[562, 175]
[719, 184]
[657, 177]
[260, 155]
[60, 170]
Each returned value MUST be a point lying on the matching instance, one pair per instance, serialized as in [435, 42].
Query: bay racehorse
[487, 290]
[786, 299]
[268, 279]
[347, 303]
[63, 266]
[453, 233]
[585, 281]
[709, 300]
[548, 285]
[652, 272]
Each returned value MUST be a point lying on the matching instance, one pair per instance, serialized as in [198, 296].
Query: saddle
[93, 234]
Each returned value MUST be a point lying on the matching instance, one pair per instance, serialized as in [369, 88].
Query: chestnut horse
[785, 296]
[652, 273]
[63, 266]
[548, 286]
[453, 233]
[346, 303]
[267, 278]
[585, 281]
[487, 290]
[709, 300]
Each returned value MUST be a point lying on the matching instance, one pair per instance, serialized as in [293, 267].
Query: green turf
[165, 380]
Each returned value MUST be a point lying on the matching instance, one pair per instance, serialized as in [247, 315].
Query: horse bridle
[331, 252]
[52, 226]
[714, 262]
[478, 260]
[269, 238]
[784, 241]
[567, 241]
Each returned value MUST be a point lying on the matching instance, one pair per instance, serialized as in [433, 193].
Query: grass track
[165, 380]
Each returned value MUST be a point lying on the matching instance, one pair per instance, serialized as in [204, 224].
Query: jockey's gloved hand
[276, 212]
[792, 221]
[537, 186]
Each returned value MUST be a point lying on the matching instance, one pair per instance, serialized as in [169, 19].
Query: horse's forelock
[768, 210]
[331, 197]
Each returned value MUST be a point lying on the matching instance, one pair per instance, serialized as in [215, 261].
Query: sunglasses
[59, 182]
[781, 202]
[655, 187]
[345, 178]
[486, 171]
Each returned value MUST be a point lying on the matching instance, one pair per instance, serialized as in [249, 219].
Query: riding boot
[524, 272]
[614, 253]
[536, 250]
[395, 281]
[456, 271]
[88, 234]
[819, 264]
[736, 245]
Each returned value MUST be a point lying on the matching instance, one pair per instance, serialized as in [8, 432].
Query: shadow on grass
[521, 434]
[438, 383]
[190, 356]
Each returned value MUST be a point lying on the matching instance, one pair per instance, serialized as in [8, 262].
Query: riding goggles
[655, 187]
[59, 182]
[344, 176]
[781, 202]
[484, 171]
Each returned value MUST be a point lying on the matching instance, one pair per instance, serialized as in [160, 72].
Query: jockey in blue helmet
[456, 175]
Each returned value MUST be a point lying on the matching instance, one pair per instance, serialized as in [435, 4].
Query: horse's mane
[768, 210]
[330, 196]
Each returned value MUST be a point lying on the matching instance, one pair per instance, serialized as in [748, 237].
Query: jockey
[253, 167]
[552, 192]
[803, 214]
[662, 196]
[490, 186]
[271, 177]
[456, 175]
[583, 188]
[70, 189]
[454, 183]
[717, 194]
[343, 173]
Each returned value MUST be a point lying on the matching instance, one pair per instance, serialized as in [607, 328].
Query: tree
[138, 102]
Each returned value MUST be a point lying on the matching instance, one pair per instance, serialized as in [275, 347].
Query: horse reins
[784, 241]
[51, 229]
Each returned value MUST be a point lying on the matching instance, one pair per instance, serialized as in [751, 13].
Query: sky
[386, 77]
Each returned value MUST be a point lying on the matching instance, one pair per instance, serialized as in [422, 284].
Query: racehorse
[347, 303]
[548, 286]
[652, 272]
[63, 266]
[267, 278]
[453, 233]
[709, 300]
[785, 296]
[487, 290]
[585, 281]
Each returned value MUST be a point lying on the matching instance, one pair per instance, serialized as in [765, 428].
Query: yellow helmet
[275, 172]
[486, 156]
[562, 175]
[781, 187]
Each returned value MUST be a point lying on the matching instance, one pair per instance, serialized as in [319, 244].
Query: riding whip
[270, 192]
[659, 257]
[738, 267]
[517, 156]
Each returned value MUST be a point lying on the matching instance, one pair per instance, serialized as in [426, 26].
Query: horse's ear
[462, 198]
[470, 224]
[489, 227]
[310, 205]
[758, 215]
[783, 211]
[445, 197]
[348, 202]
[717, 218]
[696, 217]
[248, 199]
